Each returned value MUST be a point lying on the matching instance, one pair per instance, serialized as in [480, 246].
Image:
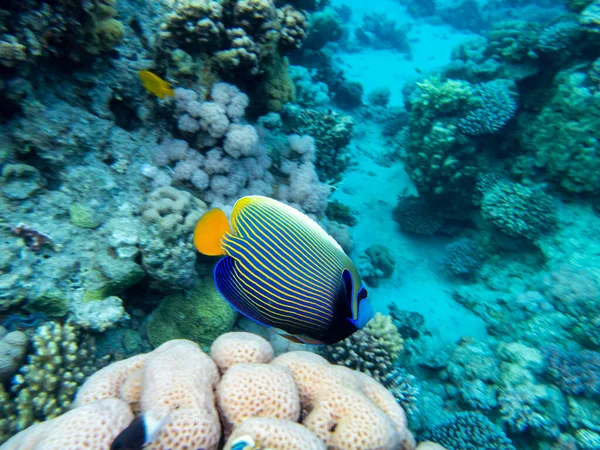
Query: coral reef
[463, 258]
[413, 215]
[180, 385]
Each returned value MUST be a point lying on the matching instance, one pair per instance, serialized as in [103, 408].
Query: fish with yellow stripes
[282, 270]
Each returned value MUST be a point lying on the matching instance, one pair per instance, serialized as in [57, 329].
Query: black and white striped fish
[283, 270]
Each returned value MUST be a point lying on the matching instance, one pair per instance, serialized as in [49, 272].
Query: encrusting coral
[180, 386]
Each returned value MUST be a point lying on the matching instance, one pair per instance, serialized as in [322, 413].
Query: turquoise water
[449, 147]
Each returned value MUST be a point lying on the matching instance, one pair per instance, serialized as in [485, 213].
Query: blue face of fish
[282, 270]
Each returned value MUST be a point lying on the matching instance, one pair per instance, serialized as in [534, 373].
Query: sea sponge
[257, 390]
[275, 434]
[240, 347]
[346, 420]
[95, 425]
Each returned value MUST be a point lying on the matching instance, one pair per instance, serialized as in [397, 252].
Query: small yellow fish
[155, 84]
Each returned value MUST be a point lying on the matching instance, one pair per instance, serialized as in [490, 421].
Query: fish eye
[362, 294]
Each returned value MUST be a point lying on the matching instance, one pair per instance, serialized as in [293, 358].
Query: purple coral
[575, 372]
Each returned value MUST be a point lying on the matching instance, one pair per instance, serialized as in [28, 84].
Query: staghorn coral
[468, 431]
[44, 388]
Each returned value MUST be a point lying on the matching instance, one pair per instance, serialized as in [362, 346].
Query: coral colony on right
[300, 225]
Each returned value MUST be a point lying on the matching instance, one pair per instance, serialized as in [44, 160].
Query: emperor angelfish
[282, 270]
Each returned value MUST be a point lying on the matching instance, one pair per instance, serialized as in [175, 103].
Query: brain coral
[176, 385]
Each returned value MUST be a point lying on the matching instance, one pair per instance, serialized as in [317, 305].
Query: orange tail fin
[209, 231]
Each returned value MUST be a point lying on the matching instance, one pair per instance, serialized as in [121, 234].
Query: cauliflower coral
[297, 401]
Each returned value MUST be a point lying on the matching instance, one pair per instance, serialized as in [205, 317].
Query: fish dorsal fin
[226, 281]
[209, 232]
[292, 213]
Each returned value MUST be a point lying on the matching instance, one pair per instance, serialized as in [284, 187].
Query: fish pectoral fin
[209, 232]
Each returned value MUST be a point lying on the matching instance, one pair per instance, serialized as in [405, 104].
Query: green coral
[83, 216]
[200, 315]
[563, 136]
[111, 277]
[52, 303]
[340, 212]
[441, 161]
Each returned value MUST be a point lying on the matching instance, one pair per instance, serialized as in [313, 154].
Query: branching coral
[469, 431]
[44, 388]
[498, 106]
[372, 350]
[518, 210]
